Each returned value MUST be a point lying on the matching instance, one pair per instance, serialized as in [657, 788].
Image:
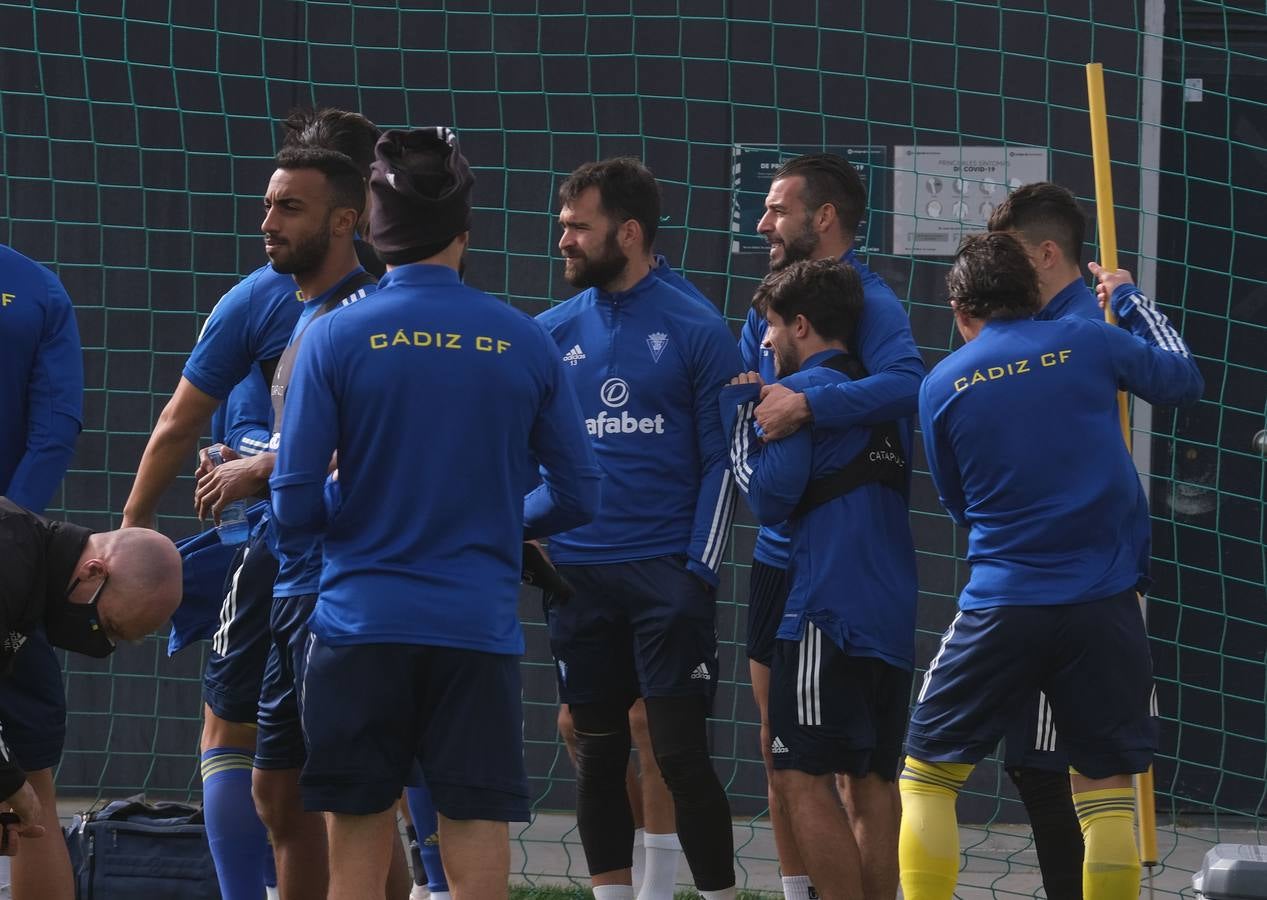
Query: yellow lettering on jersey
[1065, 354]
[440, 340]
[6, 299]
[994, 373]
[487, 344]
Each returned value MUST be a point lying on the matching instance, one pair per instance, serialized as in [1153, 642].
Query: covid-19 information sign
[942, 193]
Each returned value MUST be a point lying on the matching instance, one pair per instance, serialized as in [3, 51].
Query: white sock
[663, 853]
[271, 893]
[439, 895]
[639, 857]
[614, 892]
[797, 887]
[725, 894]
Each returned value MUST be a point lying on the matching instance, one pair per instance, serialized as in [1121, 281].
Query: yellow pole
[1145, 801]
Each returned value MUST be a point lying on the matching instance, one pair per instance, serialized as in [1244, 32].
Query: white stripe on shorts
[809, 665]
[228, 612]
[932, 666]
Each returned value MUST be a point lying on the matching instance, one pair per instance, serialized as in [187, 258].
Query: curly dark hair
[992, 278]
[826, 292]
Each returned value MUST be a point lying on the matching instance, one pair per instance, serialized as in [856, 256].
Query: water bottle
[233, 528]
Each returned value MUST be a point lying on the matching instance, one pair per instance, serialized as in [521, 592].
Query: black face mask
[77, 627]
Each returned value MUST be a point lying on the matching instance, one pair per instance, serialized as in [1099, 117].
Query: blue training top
[647, 365]
[251, 323]
[1074, 299]
[888, 353]
[851, 566]
[1024, 445]
[436, 397]
[41, 381]
[299, 558]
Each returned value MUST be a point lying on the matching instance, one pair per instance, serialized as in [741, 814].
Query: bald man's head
[143, 569]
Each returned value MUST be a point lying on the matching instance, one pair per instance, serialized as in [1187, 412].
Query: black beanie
[421, 185]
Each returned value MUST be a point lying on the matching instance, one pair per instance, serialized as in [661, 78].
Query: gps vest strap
[880, 462]
[347, 289]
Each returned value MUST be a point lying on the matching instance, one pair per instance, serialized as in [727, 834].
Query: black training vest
[881, 461]
[286, 363]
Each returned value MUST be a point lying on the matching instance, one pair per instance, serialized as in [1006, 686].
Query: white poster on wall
[942, 193]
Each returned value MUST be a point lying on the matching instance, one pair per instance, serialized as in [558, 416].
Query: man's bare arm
[183, 421]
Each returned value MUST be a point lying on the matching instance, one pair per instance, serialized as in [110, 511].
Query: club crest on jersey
[656, 342]
[574, 356]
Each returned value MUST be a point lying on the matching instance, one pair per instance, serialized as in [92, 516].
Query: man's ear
[629, 235]
[1048, 254]
[345, 221]
[825, 217]
[801, 327]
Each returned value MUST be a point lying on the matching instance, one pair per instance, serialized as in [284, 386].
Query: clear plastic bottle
[233, 529]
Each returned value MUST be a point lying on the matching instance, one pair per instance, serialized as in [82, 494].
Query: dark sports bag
[132, 849]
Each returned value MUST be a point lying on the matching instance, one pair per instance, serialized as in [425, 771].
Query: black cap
[421, 184]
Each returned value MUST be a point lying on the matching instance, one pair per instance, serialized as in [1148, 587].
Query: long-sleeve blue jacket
[647, 365]
[888, 353]
[851, 564]
[1021, 432]
[437, 397]
[41, 381]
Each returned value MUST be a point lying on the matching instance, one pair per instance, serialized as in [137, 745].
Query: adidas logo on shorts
[701, 671]
[777, 746]
[563, 671]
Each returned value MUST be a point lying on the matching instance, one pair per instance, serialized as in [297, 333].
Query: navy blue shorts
[833, 712]
[33, 705]
[1030, 741]
[280, 744]
[372, 711]
[1090, 659]
[767, 596]
[239, 648]
[644, 628]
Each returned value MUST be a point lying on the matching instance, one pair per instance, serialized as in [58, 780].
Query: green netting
[135, 144]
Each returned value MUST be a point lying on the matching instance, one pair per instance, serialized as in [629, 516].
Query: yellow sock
[928, 845]
[1110, 870]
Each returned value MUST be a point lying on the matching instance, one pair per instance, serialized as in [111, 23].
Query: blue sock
[425, 823]
[270, 864]
[239, 844]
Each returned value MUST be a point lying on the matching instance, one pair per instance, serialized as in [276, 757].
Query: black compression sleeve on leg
[679, 737]
[603, 816]
[1048, 800]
